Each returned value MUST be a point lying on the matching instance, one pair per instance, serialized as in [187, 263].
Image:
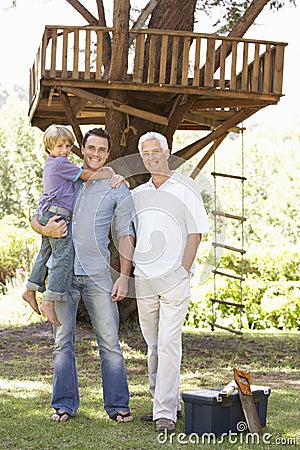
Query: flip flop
[121, 416]
[63, 416]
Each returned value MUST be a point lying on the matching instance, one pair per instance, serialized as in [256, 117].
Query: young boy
[59, 179]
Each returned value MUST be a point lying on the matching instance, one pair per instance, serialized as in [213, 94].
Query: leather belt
[60, 210]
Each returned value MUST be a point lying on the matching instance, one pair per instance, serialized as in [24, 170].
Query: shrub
[270, 292]
[18, 249]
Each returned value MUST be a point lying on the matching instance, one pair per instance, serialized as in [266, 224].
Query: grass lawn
[208, 361]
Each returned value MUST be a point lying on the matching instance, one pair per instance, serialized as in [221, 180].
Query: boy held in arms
[56, 203]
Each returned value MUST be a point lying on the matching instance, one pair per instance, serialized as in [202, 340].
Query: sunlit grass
[13, 309]
[208, 360]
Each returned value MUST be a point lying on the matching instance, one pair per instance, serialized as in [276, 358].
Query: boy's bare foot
[48, 309]
[29, 297]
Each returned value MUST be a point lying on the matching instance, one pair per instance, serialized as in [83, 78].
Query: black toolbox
[207, 411]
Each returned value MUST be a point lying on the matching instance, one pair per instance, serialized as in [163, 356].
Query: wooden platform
[225, 79]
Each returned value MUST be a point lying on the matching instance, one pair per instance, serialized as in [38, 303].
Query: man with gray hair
[170, 221]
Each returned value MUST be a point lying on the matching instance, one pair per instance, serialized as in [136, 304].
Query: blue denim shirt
[97, 207]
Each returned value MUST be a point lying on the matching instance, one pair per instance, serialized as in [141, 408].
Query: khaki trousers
[162, 307]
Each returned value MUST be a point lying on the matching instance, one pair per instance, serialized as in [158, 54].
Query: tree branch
[84, 12]
[143, 17]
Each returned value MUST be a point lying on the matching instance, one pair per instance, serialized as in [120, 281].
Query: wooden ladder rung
[227, 175]
[228, 247]
[230, 275]
[232, 330]
[226, 302]
[229, 216]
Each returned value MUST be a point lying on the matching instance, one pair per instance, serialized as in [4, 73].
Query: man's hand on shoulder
[116, 181]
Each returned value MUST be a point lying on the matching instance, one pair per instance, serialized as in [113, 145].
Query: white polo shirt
[164, 219]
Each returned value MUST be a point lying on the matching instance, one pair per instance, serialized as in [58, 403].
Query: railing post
[87, 59]
[245, 68]
[163, 59]
[76, 53]
[267, 69]
[64, 62]
[196, 80]
[255, 72]
[53, 53]
[99, 46]
[139, 58]
[233, 65]
[210, 63]
[278, 69]
[152, 58]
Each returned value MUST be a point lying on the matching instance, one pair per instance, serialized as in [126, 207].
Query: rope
[125, 133]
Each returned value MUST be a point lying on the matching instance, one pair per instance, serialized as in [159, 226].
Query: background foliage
[271, 232]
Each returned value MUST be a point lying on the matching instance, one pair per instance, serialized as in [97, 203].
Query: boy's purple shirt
[59, 178]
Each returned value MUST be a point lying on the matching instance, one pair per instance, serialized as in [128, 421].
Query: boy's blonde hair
[54, 132]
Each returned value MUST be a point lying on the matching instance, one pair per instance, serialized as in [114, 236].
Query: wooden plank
[229, 275]
[232, 330]
[255, 70]
[229, 247]
[210, 63]
[237, 98]
[185, 61]
[193, 35]
[174, 64]
[229, 216]
[64, 62]
[87, 59]
[99, 48]
[152, 57]
[76, 53]
[196, 79]
[50, 97]
[117, 106]
[228, 175]
[278, 75]
[43, 56]
[223, 55]
[245, 68]
[71, 117]
[267, 69]
[232, 83]
[53, 53]
[227, 302]
[208, 155]
[163, 59]
[139, 58]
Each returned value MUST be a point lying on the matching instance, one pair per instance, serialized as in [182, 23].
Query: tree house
[217, 81]
[175, 80]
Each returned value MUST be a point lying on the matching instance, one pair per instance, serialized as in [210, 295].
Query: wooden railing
[168, 58]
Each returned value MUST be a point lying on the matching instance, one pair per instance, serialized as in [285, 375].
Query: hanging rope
[125, 133]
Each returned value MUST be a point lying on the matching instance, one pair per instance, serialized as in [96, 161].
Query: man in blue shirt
[96, 207]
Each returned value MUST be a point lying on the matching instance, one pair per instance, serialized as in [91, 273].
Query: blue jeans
[61, 251]
[96, 294]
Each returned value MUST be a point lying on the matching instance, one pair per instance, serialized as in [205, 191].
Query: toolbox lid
[212, 396]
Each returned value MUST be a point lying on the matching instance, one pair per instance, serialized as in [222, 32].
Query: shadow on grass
[208, 360]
